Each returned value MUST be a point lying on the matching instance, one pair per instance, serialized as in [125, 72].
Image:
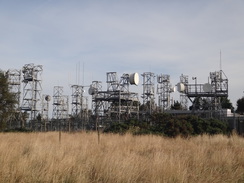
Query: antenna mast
[220, 62]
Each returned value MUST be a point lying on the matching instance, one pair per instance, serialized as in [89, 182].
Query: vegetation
[172, 126]
[176, 106]
[40, 157]
[7, 101]
[240, 105]
[226, 104]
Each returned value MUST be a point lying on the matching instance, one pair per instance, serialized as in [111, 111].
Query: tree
[176, 106]
[240, 105]
[7, 101]
[226, 104]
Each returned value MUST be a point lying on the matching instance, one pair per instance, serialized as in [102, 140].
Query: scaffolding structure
[183, 97]
[97, 99]
[60, 115]
[164, 89]
[148, 95]
[206, 97]
[77, 100]
[219, 84]
[60, 103]
[31, 91]
[45, 112]
[79, 110]
[117, 103]
[14, 83]
[123, 104]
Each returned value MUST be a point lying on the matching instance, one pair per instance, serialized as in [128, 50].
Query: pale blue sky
[169, 37]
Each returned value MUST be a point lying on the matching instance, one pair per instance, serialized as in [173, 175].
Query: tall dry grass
[39, 157]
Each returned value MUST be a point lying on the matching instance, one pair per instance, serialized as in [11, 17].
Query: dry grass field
[40, 157]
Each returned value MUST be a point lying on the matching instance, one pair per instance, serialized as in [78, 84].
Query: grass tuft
[39, 157]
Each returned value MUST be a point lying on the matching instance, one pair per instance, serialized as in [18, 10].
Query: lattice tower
[148, 91]
[164, 88]
[14, 82]
[60, 103]
[183, 96]
[77, 100]
[32, 89]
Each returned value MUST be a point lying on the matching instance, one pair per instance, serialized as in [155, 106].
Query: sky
[78, 41]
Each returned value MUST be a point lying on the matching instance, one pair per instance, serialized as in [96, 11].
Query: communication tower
[219, 84]
[85, 115]
[164, 88]
[31, 90]
[77, 100]
[206, 97]
[181, 87]
[97, 98]
[112, 81]
[124, 104]
[79, 107]
[45, 110]
[148, 91]
[117, 102]
[14, 82]
[60, 103]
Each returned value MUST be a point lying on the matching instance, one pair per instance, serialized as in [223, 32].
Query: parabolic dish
[180, 87]
[173, 89]
[207, 87]
[134, 78]
[47, 98]
[91, 91]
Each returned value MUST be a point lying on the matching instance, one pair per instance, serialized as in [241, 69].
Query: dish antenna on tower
[47, 98]
[180, 87]
[134, 78]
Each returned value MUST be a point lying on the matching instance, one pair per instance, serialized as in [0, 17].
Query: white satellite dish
[134, 78]
[180, 87]
[173, 89]
[207, 87]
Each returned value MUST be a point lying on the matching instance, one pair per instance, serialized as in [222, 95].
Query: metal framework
[115, 104]
[79, 107]
[45, 112]
[219, 83]
[123, 104]
[31, 90]
[60, 103]
[14, 82]
[183, 96]
[148, 92]
[77, 100]
[207, 97]
[164, 88]
[97, 98]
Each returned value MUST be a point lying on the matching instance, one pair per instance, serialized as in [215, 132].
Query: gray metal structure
[117, 103]
[31, 91]
[60, 104]
[148, 95]
[79, 110]
[77, 100]
[45, 112]
[183, 96]
[164, 89]
[14, 82]
[206, 96]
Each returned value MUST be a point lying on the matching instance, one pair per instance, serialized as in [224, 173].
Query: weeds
[39, 157]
